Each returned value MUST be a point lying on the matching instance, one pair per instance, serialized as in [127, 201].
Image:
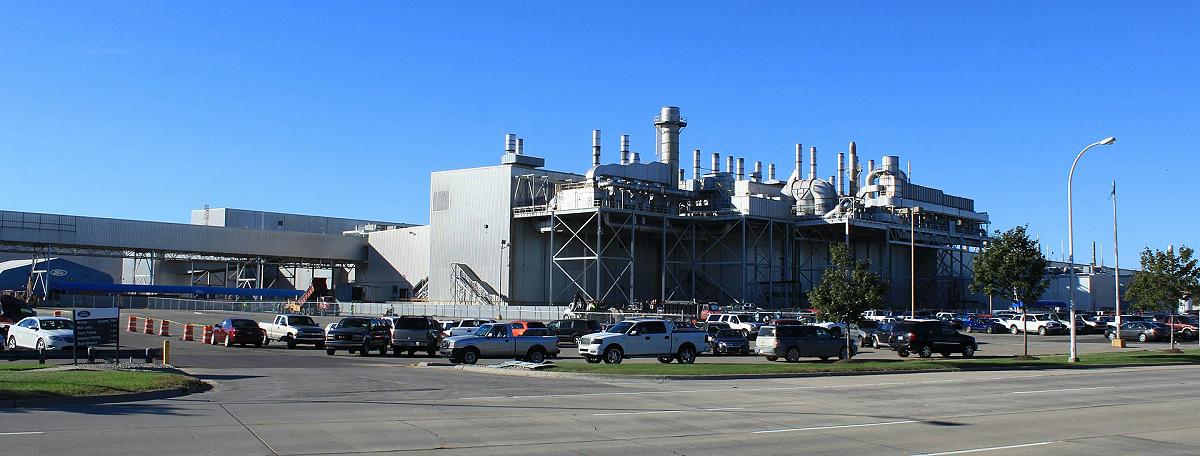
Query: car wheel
[1141, 338]
[902, 353]
[1042, 331]
[1014, 330]
[875, 343]
[291, 343]
[364, 350]
[470, 356]
[330, 351]
[792, 355]
[577, 341]
[266, 341]
[968, 351]
[1111, 336]
[665, 359]
[41, 344]
[1187, 334]
[926, 351]
[613, 355]
[592, 359]
[970, 329]
[536, 355]
[228, 343]
[772, 358]
[12, 342]
[991, 330]
[843, 353]
[686, 355]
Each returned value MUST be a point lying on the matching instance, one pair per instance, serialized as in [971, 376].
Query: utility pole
[1117, 342]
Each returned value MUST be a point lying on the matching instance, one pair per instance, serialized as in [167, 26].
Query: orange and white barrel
[164, 329]
[149, 326]
[132, 324]
[188, 333]
[208, 334]
[58, 313]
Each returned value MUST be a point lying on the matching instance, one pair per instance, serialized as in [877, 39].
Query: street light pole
[912, 259]
[1117, 342]
[1071, 242]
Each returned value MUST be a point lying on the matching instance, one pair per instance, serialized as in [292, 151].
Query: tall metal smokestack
[595, 147]
[681, 175]
[771, 172]
[729, 164]
[510, 143]
[741, 168]
[624, 149]
[853, 170]
[812, 163]
[668, 123]
[799, 159]
[841, 175]
[520, 146]
[716, 163]
[757, 176]
[696, 164]
[637, 158]
[870, 166]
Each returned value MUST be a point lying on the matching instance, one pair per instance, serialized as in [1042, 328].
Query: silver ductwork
[637, 158]
[841, 175]
[520, 146]
[853, 188]
[668, 123]
[741, 168]
[696, 164]
[812, 163]
[729, 164]
[716, 162]
[757, 174]
[510, 143]
[771, 172]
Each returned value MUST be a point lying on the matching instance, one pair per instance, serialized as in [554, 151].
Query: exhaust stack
[520, 146]
[510, 143]
[799, 160]
[729, 164]
[853, 170]
[696, 164]
[757, 175]
[841, 175]
[716, 163]
[669, 123]
[595, 147]
[624, 149]
[741, 168]
[771, 172]
[812, 163]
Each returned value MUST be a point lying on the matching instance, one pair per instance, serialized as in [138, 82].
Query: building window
[280, 223]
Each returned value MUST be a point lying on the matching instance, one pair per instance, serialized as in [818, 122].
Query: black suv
[359, 334]
[928, 337]
[569, 331]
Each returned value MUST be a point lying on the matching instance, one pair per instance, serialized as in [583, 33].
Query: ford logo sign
[58, 272]
[83, 314]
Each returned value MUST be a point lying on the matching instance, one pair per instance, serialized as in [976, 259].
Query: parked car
[1097, 324]
[878, 315]
[868, 328]
[1062, 318]
[794, 342]
[496, 340]
[519, 326]
[1034, 322]
[985, 325]
[358, 334]
[927, 338]
[1183, 326]
[881, 335]
[729, 341]
[569, 331]
[42, 333]
[12, 310]
[1124, 319]
[746, 323]
[238, 331]
[1143, 331]
[413, 333]
[294, 330]
[467, 326]
[643, 337]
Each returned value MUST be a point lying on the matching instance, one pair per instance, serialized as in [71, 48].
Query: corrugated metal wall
[396, 261]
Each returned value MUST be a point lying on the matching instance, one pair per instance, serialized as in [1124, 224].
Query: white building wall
[396, 261]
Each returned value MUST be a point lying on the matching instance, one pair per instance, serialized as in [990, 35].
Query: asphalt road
[350, 405]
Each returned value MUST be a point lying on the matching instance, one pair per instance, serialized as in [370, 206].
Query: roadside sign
[95, 327]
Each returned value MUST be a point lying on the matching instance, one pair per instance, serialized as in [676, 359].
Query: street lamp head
[1108, 140]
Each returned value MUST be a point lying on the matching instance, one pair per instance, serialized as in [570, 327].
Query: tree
[1165, 280]
[847, 289]
[1011, 264]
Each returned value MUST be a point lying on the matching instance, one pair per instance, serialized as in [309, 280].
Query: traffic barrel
[188, 333]
[149, 326]
[164, 329]
[132, 324]
[58, 313]
[207, 337]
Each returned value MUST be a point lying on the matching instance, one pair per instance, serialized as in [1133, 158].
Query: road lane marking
[980, 450]
[1061, 390]
[844, 426]
[655, 412]
[22, 433]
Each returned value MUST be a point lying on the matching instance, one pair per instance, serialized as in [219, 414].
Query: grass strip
[701, 368]
[29, 384]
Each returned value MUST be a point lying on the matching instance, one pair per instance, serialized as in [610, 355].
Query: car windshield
[766, 331]
[729, 333]
[412, 323]
[354, 323]
[536, 324]
[301, 321]
[621, 327]
[243, 324]
[482, 330]
[746, 318]
[55, 324]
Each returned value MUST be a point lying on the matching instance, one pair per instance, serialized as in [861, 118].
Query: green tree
[847, 289]
[1166, 279]
[1011, 265]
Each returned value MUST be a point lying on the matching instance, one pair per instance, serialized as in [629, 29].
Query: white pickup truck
[641, 338]
[1034, 322]
[294, 330]
[741, 322]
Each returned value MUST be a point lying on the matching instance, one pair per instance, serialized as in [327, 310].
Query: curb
[551, 374]
[104, 399]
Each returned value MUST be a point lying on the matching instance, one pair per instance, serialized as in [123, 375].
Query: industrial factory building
[621, 230]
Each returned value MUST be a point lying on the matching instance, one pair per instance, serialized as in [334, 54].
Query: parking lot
[301, 402]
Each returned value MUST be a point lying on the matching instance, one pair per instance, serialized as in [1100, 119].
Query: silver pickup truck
[495, 340]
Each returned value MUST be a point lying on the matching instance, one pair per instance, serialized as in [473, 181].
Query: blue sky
[149, 109]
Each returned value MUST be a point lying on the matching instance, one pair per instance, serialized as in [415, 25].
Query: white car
[467, 326]
[42, 333]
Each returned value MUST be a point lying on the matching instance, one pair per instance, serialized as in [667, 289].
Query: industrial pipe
[595, 147]
[624, 149]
